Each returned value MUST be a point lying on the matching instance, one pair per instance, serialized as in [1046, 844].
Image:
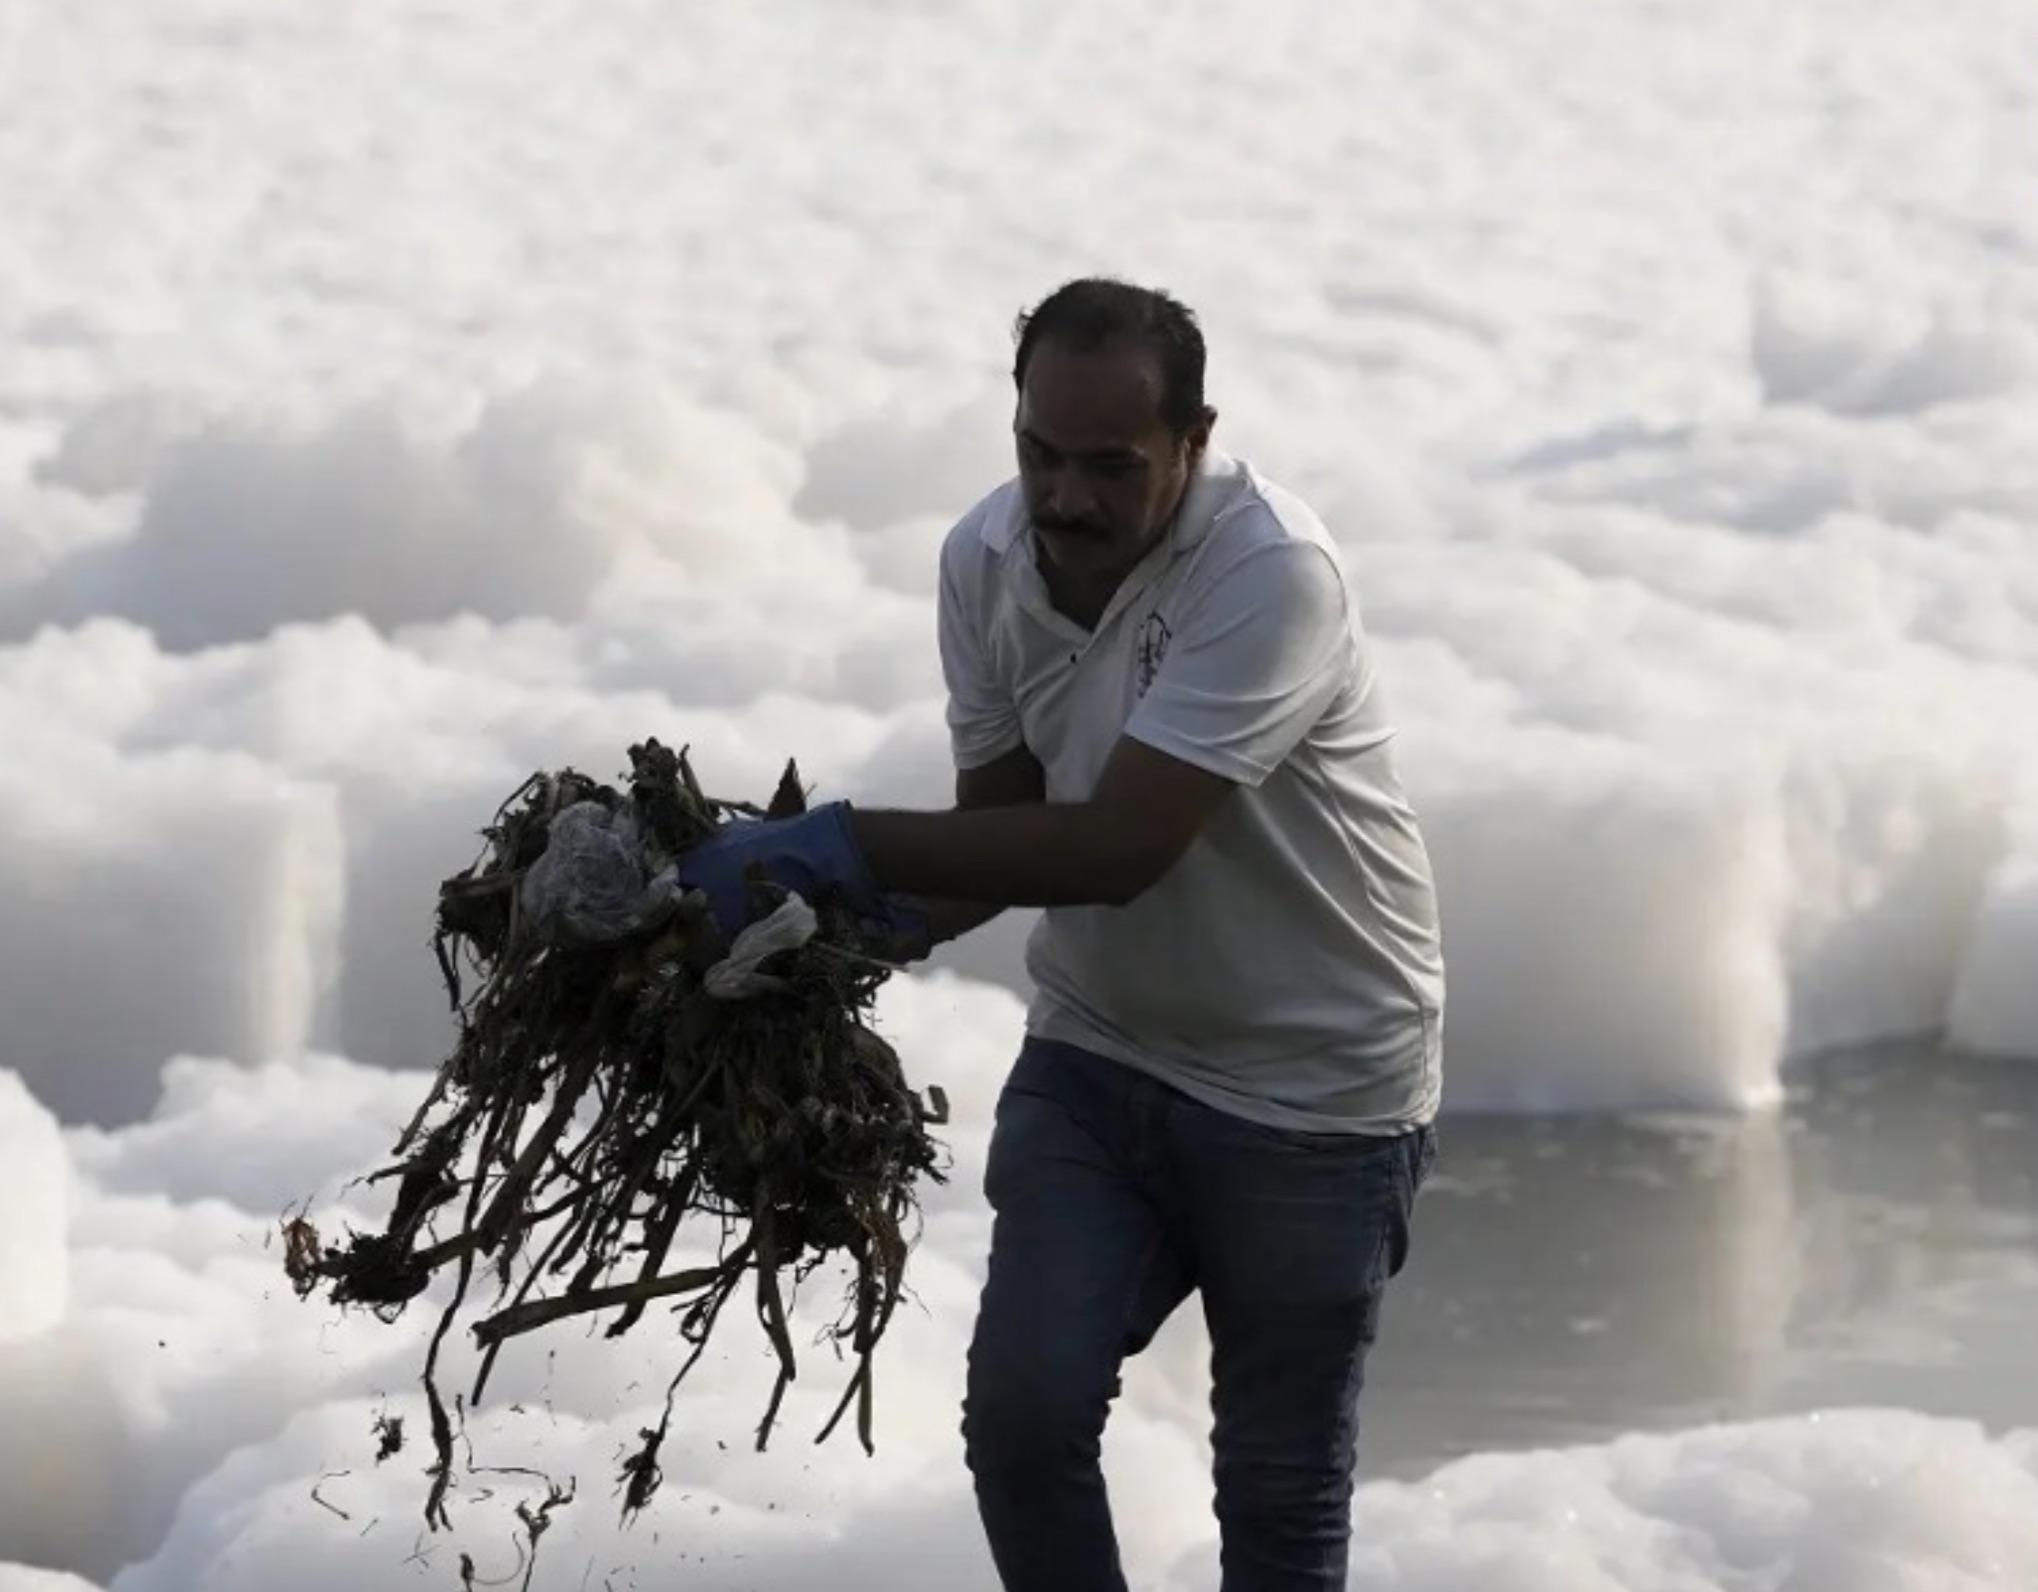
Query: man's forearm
[951, 920]
[1037, 854]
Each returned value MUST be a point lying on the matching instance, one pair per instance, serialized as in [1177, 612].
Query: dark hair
[1092, 312]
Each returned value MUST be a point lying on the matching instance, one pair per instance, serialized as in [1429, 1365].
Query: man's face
[1102, 472]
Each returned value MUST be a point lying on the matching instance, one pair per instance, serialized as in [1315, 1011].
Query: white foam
[21, 1578]
[519, 509]
[1612, 940]
[1846, 1501]
[1995, 1001]
[189, 901]
[34, 1252]
[372, 436]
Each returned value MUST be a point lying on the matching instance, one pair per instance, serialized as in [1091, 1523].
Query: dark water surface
[1874, 1242]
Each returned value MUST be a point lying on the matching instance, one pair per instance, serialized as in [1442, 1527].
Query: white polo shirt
[1288, 968]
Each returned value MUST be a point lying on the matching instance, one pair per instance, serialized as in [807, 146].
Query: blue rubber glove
[814, 854]
[906, 935]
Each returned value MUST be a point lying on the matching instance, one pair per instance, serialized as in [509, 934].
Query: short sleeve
[983, 719]
[1252, 666]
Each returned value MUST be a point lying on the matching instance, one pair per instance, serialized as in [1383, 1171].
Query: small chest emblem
[1154, 636]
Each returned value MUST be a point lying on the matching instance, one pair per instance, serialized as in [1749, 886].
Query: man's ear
[1197, 437]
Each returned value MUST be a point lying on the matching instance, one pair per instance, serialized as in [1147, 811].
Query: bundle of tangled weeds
[612, 1081]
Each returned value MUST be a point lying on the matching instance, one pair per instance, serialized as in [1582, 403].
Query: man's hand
[813, 854]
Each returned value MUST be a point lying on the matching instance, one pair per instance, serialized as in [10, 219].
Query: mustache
[1068, 527]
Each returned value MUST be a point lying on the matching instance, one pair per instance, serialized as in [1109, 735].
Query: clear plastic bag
[786, 929]
[594, 884]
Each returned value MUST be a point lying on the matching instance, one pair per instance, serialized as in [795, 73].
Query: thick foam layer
[35, 1273]
[157, 900]
[1849, 1501]
[371, 437]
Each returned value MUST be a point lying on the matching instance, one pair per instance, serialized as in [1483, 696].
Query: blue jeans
[1113, 1197]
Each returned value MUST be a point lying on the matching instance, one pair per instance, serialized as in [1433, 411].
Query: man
[1168, 734]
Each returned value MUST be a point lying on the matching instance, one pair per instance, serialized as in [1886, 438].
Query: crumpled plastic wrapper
[789, 927]
[594, 883]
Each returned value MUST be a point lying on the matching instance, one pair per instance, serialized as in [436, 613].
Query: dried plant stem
[782, 1119]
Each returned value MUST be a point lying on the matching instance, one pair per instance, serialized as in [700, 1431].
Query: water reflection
[1569, 1275]
[1875, 1242]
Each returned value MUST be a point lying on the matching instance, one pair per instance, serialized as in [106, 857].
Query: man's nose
[1068, 494]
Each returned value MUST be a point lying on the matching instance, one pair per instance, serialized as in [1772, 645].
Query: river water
[1873, 1242]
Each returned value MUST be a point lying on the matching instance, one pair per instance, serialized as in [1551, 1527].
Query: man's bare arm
[1106, 850]
[1013, 780]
